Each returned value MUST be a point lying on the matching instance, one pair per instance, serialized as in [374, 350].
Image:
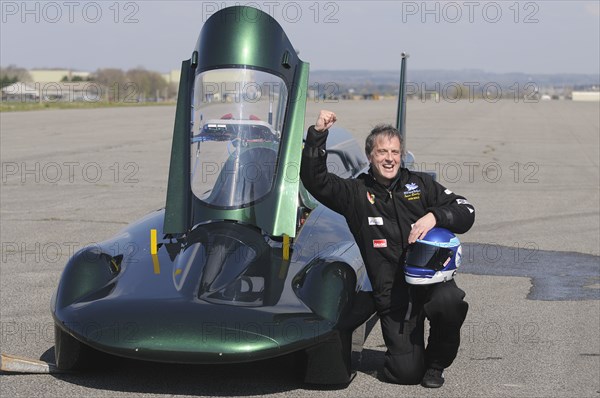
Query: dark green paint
[177, 214]
[401, 112]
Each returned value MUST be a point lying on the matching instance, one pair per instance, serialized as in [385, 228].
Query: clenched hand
[325, 120]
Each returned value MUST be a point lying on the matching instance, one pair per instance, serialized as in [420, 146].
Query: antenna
[401, 115]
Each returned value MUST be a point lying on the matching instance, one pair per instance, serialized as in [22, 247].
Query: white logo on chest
[375, 221]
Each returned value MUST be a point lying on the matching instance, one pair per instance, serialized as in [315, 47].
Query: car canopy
[239, 125]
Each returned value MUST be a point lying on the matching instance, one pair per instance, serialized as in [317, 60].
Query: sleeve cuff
[315, 143]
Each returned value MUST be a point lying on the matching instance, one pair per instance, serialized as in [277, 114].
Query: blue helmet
[433, 259]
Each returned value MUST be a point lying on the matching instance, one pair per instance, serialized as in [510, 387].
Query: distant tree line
[137, 85]
[133, 85]
[75, 78]
[12, 74]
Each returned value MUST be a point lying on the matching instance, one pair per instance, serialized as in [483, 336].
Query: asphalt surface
[73, 177]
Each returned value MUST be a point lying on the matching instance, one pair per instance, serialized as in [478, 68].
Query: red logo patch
[379, 243]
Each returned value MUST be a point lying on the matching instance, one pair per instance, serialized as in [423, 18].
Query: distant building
[173, 77]
[587, 96]
[53, 85]
[21, 92]
[56, 75]
[53, 92]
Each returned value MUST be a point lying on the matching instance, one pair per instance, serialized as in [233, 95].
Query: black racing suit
[380, 219]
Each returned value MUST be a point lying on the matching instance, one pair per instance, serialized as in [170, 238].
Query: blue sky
[496, 36]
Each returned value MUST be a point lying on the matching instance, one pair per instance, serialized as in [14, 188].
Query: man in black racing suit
[386, 210]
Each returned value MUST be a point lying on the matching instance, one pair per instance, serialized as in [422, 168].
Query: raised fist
[325, 120]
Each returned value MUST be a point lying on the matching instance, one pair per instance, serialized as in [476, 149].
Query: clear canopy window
[237, 119]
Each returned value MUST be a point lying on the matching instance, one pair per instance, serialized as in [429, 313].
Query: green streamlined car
[242, 264]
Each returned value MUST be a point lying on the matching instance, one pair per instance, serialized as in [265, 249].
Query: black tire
[330, 361]
[70, 353]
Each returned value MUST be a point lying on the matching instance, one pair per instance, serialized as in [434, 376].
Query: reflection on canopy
[237, 121]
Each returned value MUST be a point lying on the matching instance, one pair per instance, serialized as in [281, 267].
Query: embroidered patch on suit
[379, 243]
[371, 197]
[412, 191]
[375, 221]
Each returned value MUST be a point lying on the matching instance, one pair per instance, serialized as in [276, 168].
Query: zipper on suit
[397, 217]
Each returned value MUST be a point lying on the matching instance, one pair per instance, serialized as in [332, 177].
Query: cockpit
[237, 120]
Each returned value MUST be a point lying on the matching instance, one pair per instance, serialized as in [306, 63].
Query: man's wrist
[314, 127]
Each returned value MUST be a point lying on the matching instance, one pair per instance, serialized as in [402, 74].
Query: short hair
[385, 130]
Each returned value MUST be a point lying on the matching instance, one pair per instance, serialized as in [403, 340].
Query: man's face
[385, 159]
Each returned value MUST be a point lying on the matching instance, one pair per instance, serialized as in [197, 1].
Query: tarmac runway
[532, 271]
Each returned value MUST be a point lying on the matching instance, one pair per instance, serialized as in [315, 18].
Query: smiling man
[388, 209]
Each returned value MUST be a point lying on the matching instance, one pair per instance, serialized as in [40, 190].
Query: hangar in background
[587, 96]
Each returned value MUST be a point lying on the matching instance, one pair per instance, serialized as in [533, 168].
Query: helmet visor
[427, 256]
